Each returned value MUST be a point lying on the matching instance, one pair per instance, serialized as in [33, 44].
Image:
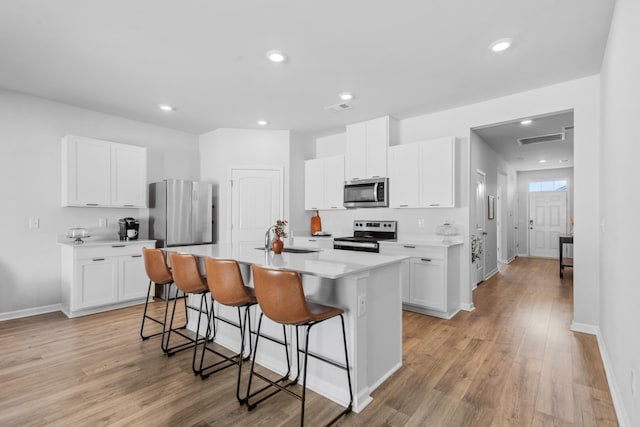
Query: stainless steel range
[366, 235]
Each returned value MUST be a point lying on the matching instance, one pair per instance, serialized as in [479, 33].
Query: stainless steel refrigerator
[180, 212]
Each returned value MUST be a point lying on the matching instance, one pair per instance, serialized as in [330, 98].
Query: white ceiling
[503, 138]
[207, 58]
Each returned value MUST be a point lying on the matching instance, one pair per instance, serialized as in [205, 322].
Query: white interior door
[480, 215]
[502, 216]
[256, 203]
[547, 220]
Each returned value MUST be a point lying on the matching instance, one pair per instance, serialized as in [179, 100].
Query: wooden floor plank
[511, 362]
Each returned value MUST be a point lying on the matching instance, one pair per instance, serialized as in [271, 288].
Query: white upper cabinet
[422, 174]
[366, 151]
[103, 173]
[128, 175]
[437, 164]
[324, 183]
[404, 176]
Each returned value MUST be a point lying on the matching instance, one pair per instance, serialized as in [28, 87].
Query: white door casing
[547, 220]
[480, 218]
[256, 202]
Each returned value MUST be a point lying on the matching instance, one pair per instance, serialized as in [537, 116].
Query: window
[548, 186]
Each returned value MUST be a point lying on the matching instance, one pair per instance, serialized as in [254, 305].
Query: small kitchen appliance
[366, 235]
[366, 193]
[129, 228]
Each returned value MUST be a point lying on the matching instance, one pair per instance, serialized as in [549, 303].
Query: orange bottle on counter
[316, 224]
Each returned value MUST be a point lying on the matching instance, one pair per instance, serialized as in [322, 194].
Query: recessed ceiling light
[262, 122]
[500, 45]
[276, 56]
[345, 96]
[526, 122]
[166, 107]
[542, 161]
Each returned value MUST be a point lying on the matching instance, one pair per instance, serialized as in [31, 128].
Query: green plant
[280, 228]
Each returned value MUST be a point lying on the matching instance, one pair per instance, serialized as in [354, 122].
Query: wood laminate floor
[511, 362]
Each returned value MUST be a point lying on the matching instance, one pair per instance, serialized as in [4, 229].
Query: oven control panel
[368, 225]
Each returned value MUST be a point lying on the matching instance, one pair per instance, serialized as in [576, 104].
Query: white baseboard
[491, 274]
[618, 403]
[585, 328]
[510, 260]
[30, 312]
[467, 307]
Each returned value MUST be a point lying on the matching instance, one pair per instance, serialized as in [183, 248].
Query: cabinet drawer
[314, 242]
[416, 251]
[109, 250]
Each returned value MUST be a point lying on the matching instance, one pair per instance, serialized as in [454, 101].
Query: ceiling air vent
[542, 138]
[338, 107]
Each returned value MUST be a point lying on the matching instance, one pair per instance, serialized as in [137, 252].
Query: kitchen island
[365, 285]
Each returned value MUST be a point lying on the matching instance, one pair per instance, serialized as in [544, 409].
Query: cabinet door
[437, 159]
[128, 175]
[97, 282]
[428, 288]
[134, 282]
[404, 176]
[377, 145]
[334, 182]
[314, 184]
[86, 171]
[356, 152]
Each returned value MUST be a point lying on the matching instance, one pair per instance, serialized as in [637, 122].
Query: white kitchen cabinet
[128, 175]
[324, 183]
[102, 173]
[404, 176]
[103, 276]
[422, 174]
[313, 242]
[366, 148]
[430, 277]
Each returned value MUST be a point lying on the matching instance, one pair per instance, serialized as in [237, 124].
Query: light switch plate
[34, 223]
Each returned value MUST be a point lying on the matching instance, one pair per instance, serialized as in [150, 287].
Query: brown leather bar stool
[187, 277]
[155, 265]
[227, 288]
[281, 299]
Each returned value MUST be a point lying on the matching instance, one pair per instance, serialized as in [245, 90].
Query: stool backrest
[225, 281]
[280, 295]
[156, 267]
[186, 273]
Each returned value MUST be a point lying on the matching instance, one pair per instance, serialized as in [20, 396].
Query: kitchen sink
[297, 250]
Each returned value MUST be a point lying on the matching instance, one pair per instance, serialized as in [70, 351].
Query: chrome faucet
[267, 238]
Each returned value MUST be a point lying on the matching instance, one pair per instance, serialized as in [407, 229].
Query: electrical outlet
[421, 223]
[362, 305]
[633, 383]
[102, 222]
[34, 223]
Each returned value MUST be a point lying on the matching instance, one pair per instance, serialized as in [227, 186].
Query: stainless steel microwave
[366, 193]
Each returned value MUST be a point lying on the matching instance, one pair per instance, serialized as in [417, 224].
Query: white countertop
[435, 241]
[327, 263]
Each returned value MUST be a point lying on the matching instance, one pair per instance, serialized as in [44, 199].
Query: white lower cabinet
[430, 278]
[100, 277]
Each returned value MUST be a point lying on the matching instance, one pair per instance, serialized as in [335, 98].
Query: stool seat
[321, 312]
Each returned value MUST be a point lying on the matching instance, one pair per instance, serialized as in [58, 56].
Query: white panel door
[429, 289]
[134, 282]
[128, 175]
[97, 282]
[438, 168]
[334, 182]
[547, 220]
[356, 152]
[256, 203]
[88, 174]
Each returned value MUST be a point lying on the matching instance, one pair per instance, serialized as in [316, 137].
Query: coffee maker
[129, 228]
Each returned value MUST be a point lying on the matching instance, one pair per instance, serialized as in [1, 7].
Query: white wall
[524, 178]
[619, 205]
[225, 148]
[484, 158]
[30, 162]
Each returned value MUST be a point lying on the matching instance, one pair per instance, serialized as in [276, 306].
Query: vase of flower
[277, 245]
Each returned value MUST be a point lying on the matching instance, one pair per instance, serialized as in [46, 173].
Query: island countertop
[326, 263]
